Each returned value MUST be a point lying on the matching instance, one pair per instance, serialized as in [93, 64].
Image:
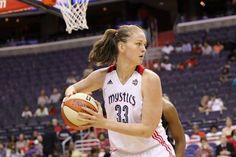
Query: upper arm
[152, 106]
[92, 82]
[174, 124]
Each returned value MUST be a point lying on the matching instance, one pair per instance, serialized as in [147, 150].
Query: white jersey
[123, 103]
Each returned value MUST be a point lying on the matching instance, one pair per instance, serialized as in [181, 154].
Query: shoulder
[167, 105]
[151, 76]
[169, 109]
[99, 73]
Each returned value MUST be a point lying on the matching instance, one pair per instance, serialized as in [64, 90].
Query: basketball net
[3, 4]
[74, 14]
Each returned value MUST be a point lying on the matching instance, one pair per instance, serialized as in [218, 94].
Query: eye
[139, 44]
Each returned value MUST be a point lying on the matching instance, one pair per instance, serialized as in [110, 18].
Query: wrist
[105, 123]
[73, 88]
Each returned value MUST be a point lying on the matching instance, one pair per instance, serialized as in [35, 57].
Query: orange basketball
[73, 105]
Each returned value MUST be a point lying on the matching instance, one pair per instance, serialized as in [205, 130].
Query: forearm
[180, 148]
[133, 129]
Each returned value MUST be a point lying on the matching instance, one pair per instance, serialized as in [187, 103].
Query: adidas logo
[109, 82]
[135, 82]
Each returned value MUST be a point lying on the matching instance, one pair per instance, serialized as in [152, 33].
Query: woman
[173, 126]
[132, 95]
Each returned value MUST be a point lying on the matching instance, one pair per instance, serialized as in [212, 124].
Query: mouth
[141, 56]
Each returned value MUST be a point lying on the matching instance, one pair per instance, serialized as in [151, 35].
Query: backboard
[14, 6]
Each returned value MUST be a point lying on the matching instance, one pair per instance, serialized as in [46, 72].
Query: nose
[144, 49]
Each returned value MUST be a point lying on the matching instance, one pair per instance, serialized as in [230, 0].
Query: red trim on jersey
[160, 140]
[111, 68]
[140, 69]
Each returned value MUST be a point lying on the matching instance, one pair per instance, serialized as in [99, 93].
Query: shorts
[157, 151]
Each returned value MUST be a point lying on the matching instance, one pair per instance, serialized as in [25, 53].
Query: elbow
[180, 141]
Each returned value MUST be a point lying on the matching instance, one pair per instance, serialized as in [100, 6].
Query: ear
[121, 47]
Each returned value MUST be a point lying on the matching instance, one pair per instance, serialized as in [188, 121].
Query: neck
[124, 71]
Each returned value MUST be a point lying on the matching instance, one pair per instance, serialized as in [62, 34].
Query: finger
[65, 99]
[100, 109]
[81, 118]
[98, 103]
[89, 111]
[86, 116]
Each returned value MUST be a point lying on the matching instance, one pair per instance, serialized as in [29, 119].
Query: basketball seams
[76, 104]
[68, 123]
[73, 105]
[84, 97]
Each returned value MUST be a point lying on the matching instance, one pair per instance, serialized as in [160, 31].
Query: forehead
[137, 35]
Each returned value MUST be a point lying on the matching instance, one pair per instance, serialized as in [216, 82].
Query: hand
[95, 119]
[70, 91]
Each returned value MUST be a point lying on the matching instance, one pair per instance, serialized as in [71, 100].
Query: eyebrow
[138, 40]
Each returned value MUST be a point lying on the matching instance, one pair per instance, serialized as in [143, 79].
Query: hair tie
[116, 33]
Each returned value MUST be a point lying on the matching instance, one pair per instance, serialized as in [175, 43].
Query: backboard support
[39, 4]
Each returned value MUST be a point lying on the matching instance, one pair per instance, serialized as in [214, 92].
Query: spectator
[224, 149]
[49, 141]
[167, 49]
[197, 48]
[55, 97]
[166, 65]
[26, 113]
[34, 150]
[178, 47]
[41, 111]
[214, 133]
[216, 104]
[186, 47]
[197, 133]
[203, 107]
[21, 144]
[2, 150]
[227, 130]
[54, 100]
[71, 79]
[232, 139]
[225, 75]
[104, 142]
[35, 135]
[217, 49]
[56, 126]
[206, 49]
[205, 150]
[38, 144]
[191, 62]
[43, 98]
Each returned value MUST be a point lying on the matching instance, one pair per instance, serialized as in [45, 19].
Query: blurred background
[191, 47]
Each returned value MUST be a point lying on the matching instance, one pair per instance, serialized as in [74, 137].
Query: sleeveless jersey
[123, 103]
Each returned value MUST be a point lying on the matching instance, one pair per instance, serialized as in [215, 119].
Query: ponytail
[105, 51]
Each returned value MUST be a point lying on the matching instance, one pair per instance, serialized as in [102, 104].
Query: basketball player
[172, 124]
[132, 95]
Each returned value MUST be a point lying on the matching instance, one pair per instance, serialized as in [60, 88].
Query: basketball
[73, 105]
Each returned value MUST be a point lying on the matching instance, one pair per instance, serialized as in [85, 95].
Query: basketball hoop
[3, 4]
[74, 14]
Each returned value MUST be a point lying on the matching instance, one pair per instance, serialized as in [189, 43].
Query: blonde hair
[105, 50]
